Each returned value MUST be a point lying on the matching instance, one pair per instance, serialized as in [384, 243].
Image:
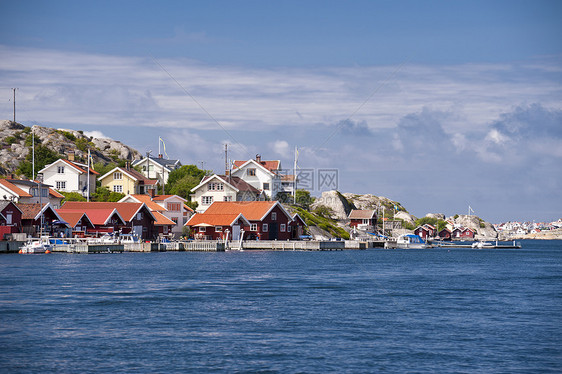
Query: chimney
[70, 155]
[160, 155]
[152, 193]
[258, 158]
[127, 166]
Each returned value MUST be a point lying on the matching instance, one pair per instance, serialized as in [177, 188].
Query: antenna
[14, 89]
[225, 158]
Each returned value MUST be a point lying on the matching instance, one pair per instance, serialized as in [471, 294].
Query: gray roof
[170, 164]
[5, 203]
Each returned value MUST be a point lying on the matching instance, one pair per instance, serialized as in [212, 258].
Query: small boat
[42, 245]
[410, 241]
[482, 244]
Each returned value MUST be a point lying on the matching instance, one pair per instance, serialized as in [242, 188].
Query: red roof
[73, 217]
[15, 189]
[205, 219]
[149, 203]
[269, 165]
[251, 210]
[54, 193]
[80, 168]
[126, 210]
[162, 220]
[98, 217]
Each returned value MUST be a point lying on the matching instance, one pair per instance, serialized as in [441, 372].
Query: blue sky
[436, 104]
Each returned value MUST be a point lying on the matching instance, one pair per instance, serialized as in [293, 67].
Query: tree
[72, 196]
[182, 180]
[43, 156]
[103, 194]
[303, 199]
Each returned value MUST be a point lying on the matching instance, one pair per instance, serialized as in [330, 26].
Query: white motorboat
[410, 241]
[481, 245]
[42, 245]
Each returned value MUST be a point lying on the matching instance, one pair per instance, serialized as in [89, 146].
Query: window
[289, 228]
[274, 216]
[61, 185]
[139, 216]
[175, 220]
[118, 175]
[254, 227]
[252, 172]
[215, 187]
[265, 227]
[228, 198]
[218, 228]
[202, 229]
[365, 221]
[173, 207]
[282, 227]
[60, 169]
[8, 218]
[266, 186]
[118, 188]
[206, 200]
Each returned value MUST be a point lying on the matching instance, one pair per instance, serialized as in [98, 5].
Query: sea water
[434, 310]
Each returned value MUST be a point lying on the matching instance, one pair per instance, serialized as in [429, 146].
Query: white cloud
[96, 134]
[421, 119]
[280, 147]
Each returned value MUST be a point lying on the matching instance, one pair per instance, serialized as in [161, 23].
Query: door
[272, 231]
[235, 232]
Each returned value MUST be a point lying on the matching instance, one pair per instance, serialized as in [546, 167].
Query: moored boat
[410, 241]
[37, 246]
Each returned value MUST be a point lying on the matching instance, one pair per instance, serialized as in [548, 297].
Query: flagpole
[295, 177]
[88, 197]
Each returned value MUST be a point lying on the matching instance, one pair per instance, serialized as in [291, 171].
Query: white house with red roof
[29, 192]
[265, 176]
[172, 207]
[69, 176]
[216, 188]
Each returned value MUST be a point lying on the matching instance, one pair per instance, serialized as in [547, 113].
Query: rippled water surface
[437, 310]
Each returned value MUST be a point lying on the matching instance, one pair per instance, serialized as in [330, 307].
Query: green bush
[10, 140]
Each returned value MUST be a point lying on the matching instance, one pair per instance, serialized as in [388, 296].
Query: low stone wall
[10, 246]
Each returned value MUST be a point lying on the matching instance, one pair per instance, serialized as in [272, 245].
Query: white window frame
[202, 229]
[117, 176]
[118, 188]
[274, 216]
[251, 172]
[61, 185]
[254, 227]
[206, 200]
[282, 227]
[218, 228]
[264, 227]
[60, 169]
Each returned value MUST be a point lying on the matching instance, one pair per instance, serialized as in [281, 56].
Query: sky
[439, 105]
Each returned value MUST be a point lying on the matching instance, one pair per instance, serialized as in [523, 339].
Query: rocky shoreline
[543, 235]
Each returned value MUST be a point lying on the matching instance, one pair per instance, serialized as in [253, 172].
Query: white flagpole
[295, 177]
[88, 197]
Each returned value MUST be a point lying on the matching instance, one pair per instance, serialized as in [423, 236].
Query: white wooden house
[69, 176]
[222, 188]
